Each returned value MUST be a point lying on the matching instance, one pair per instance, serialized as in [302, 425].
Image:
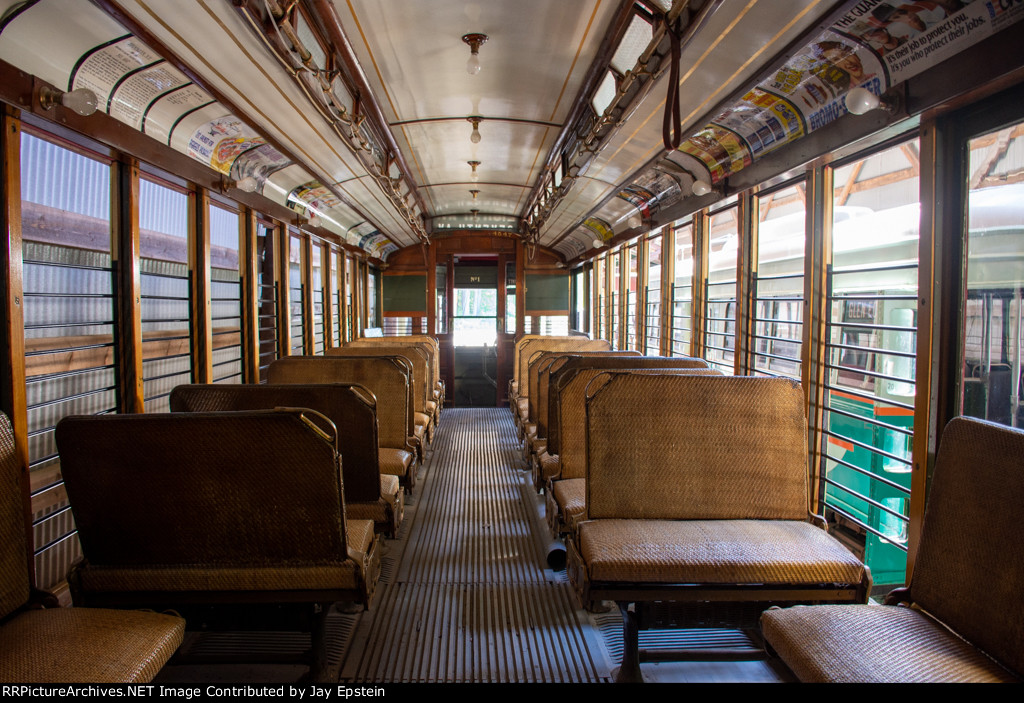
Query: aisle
[467, 598]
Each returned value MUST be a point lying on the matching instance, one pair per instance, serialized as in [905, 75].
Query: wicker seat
[388, 378]
[226, 518]
[429, 345]
[696, 506]
[966, 623]
[539, 370]
[54, 644]
[416, 355]
[369, 495]
[566, 457]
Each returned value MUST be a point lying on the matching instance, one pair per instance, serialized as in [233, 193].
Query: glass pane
[226, 293]
[870, 363]
[267, 296]
[631, 297]
[165, 307]
[296, 291]
[720, 310]
[682, 291]
[993, 323]
[779, 293]
[653, 313]
[335, 301]
[69, 326]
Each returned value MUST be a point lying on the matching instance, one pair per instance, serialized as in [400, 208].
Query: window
[652, 344]
[720, 306]
[779, 284]
[870, 353]
[226, 296]
[70, 326]
[993, 320]
[682, 291]
[165, 306]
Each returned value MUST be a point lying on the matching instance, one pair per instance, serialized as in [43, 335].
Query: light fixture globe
[597, 243]
[700, 187]
[247, 184]
[861, 100]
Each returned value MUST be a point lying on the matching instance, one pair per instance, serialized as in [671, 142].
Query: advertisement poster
[875, 45]
[599, 227]
[314, 194]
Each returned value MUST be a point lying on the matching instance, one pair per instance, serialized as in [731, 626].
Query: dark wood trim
[746, 277]
[432, 289]
[330, 280]
[201, 328]
[284, 291]
[668, 279]
[306, 268]
[125, 249]
[817, 264]
[250, 295]
[12, 370]
[698, 297]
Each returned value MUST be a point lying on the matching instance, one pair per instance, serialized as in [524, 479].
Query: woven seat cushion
[422, 419]
[359, 534]
[87, 645]
[390, 488]
[571, 496]
[378, 512]
[874, 644]
[431, 407]
[550, 466]
[715, 551]
[530, 429]
[395, 462]
[537, 445]
[386, 512]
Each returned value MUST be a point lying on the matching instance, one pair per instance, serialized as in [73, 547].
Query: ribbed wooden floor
[467, 599]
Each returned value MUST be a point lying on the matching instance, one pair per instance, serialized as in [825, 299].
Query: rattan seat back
[351, 407]
[710, 448]
[387, 377]
[564, 375]
[529, 352]
[415, 354]
[195, 490]
[14, 578]
[548, 364]
[520, 343]
[427, 346]
[969, 571]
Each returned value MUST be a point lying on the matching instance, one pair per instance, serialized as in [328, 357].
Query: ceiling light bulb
[861, 100]
[597, 243]
[474, 41]
[701, 187]
[314, 220]
[247, 184]
[634, 222]
[475, 135]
